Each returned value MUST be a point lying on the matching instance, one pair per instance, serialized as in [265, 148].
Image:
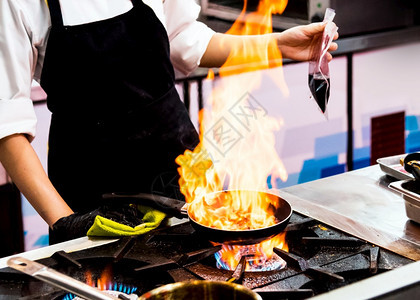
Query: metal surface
[354, 17]
[200, 290]
[360, 203]
[230, 11]
[371, 41]
[409, 189]
[57, 279]
[390, 285]
[391, 165]
[405, 188]
[69, 246]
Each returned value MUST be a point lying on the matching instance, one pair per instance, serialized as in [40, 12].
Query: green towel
[106, 227]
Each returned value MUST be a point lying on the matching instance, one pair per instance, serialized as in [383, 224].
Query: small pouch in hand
[319, 72]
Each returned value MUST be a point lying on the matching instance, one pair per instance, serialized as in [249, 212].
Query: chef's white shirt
[24, 29]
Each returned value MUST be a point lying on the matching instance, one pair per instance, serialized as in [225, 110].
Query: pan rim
[244, 230]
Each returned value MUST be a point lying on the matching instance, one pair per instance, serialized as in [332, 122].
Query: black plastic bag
[319, 73]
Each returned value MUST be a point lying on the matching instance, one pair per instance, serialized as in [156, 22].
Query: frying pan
[279, 207]
[201, 289]
[186, 290]
[57, 279]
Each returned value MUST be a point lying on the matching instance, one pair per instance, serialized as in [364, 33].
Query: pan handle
[57, 279]
[174, 207]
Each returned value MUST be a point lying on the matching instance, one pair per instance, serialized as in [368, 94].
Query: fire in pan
[272, 214]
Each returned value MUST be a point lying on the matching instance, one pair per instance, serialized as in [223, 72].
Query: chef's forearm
[295, 43]
[23, 166]
[216, 53]
[221, 45]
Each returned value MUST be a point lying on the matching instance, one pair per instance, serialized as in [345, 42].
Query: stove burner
[258, 257]
[120, 295]
[116, 289]
[253, 263]
[274, 263]
[319, 259]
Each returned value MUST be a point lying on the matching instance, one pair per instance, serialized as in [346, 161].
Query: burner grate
[320, 259]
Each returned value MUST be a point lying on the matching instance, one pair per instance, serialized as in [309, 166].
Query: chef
[107, 67]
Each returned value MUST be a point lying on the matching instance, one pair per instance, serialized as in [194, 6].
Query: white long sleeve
[24, 29]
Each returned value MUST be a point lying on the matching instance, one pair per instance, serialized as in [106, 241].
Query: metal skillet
[278, 207]
[199, 289]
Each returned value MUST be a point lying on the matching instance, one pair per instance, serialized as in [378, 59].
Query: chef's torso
[24, 31]
[113, 81]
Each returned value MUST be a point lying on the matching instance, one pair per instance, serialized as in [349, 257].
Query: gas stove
[348, 238]
[319, 259]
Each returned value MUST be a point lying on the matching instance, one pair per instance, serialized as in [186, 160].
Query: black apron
[117, 121]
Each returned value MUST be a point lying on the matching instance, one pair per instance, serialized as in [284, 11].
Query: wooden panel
[387, 136]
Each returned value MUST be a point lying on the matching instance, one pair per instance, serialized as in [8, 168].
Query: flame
[229, 256]
[252, 54]
[237, 141]
[235, 210]
[89, 279]
[210, 75]
[104, 282]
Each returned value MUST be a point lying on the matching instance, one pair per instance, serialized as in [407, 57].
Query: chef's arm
[295, 43]
[23, 166]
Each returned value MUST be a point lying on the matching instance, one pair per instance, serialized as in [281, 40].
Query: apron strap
[137, 2]
[55, 13]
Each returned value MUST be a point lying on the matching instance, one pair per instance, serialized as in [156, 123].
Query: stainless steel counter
[69, 246]
[360, 203]
[73, 245]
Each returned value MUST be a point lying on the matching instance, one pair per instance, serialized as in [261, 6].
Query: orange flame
[255, 54]
[231, 255]
[103, 282]
[235, 210]
[237, 141]
[210, 75]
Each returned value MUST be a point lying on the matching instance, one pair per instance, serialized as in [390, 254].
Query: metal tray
[391, 166]
[410, 190]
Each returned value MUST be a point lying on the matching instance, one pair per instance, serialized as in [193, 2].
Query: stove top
[320, 259]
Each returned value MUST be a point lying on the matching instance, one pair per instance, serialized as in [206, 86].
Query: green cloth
[106, 227]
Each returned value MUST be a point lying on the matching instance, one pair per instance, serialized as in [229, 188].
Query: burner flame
[259, 257]
[104, 283]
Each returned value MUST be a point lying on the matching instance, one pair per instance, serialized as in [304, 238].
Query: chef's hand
[296, 43]
[77, 225]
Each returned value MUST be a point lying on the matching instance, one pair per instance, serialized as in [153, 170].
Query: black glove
[77, 225]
